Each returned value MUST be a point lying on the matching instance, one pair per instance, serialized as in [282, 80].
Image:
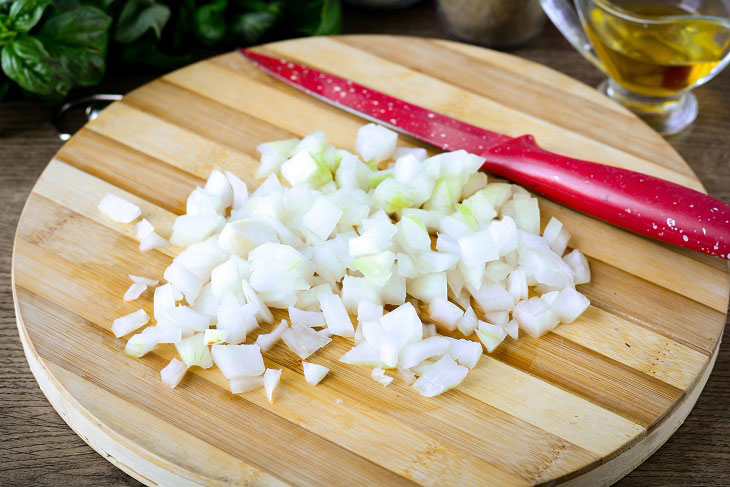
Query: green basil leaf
[139, 16]
[315, 18]
[251, 26]
[25, 14]
[27, 62]
[210, 24]
[77, 39]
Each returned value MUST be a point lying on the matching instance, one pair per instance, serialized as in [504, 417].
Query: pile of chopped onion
[352, 245]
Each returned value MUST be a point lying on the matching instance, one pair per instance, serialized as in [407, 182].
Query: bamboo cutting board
[583, 405]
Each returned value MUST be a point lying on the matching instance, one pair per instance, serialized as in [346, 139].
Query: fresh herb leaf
[210, 23]
[251, 26]
[25, 14]
[315, 18]
[27, 62]
[140, 16]
[184, 22]
[78, 40]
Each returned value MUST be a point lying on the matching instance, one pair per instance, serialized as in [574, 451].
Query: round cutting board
[585, 403]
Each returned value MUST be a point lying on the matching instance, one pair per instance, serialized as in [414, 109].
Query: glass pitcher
[653, 51]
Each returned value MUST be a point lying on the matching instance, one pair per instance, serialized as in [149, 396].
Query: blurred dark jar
[493, 23]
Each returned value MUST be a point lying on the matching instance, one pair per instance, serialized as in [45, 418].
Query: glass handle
[566, 20]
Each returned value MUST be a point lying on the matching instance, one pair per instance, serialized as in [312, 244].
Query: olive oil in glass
[673, 49]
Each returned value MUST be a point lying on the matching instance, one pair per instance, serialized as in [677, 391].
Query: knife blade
[637, 202]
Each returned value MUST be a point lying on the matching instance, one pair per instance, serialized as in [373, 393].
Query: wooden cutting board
[584, 404]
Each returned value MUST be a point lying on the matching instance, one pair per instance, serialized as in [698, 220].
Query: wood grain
[535, 411]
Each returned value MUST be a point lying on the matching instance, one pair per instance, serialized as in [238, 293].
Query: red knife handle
[642, 204]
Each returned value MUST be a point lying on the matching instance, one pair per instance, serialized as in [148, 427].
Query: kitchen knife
[643, 204]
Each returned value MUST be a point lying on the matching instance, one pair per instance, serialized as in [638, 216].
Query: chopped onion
[129, 323]
[144, 228]
[367, 311]
[134, 291]
[415, 353]
[241, 236]
[439, 377]
[213, 337]
[186, 317]
[236, 319]
[312, 319]
[144, 280]
[428, 287]
[173, 373]
[493, 297]
[314, 373]
[141, 343]
[379, 376]
[535, 316]
[556, 236]
[569, 304]
[445, 313]
[246, 383]
[238, 360]
[152, 241]
[194, 351]
[429, 330]
[267, 341]
[189, 229]
[579, 264]
[468, 322]
[512, 329]
[184, 280]
[119, 209]
[375, 143]
[499, 318]
[490, 335]
[303, 340]
[407, 376]
[335, 314]
[465, 352]
[271, 380]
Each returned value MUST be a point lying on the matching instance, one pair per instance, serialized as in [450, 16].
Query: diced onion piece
[428, 287]
[427, 262]
[129, 323]
[141, 343]
[429, 330]
[367, 311]
[417, 152]
[412, 235]
[152, 241]
[303, 168]
[415, 353]
[504, 235]
[267, 341]
[407, 375]
[240, 190]
[134, 291]
[465, 352]
[200, 202]
[375, 143]
[238, 360]
[262, 310]
[118, 209]
[363, 354]
[556, 236]
[490, 335]
[439, 377]
[186, 317]
[173, 373]
[477, 248]
[375, 237]
[499, 318]
[271, 380]
[144, 280]
[406, 267]
[236, 319]
[313, 319]
[535, 316]
[497, 271]
[273, 155]
[377, 268]
[194, 351]
[322, 218]
[445, 313]
[144, 228]
[356, 289]
[164, 298]
[303, 340]
[184, 280]
[335, 314]
[512, 329]
[218, 185]
[241, 236]
[314, 373]
[493, 297]
[379, 376]
[468, 322]
[246, 383]
[189, 229]
[517, 284]
[579, 264]
[213, 337]
[569, 304]
[546, 267]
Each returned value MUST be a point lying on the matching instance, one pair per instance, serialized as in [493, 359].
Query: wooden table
[39, 449]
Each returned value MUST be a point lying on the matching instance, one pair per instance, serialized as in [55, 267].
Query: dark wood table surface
[38, 448]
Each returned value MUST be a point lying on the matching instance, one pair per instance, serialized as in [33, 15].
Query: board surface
[584, 404]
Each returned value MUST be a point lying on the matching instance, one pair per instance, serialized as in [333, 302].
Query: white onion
[213, 337]
[367, 311]
[189, 229]
[445, 313]
[238, 360]
[312, 319]
[535, 316]
[335, 314]
[569, 304]
[194, 351]
[271, 380]
[118, 209]
[415, 353]
[428, 287]
[314, 373]
[184, 280]
[152, 241]
[144, 228]
[379, 376]
[266, 341]
[439, 377]
[144, 280]
[490, 335]
[375, 143]
[465, 352]
[245, 383]
[304, 341]
[468, 322]
[129, 323]
[493, 297]
[579, 264]
[134, 291]
[173, 373]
